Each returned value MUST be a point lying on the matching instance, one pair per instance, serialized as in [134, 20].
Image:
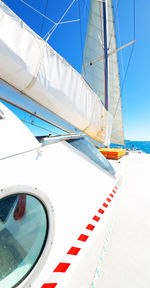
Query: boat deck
[127, 259]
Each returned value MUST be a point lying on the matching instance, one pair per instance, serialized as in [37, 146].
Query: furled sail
[30, 65]
[100, 63]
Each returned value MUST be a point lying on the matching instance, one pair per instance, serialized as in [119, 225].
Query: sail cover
[30, 65]
[100, 69]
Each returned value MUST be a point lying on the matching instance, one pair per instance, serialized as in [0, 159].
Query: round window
[23, 229]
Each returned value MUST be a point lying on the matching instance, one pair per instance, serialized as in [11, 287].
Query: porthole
[23, 230]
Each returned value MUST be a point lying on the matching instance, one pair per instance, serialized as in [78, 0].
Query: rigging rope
[114, 22]
[80, 30]
[45, 11]
[129, 61]
[132, 47]
[38, 12]
[86, 7]
[123, 72]
[49, 33]
[33, 124]
[46, 17]
[127, 67]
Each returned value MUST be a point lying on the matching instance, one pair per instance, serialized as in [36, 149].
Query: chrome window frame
[40, 195]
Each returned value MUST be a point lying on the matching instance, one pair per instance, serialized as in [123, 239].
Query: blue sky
[66, 40]
[136, 93]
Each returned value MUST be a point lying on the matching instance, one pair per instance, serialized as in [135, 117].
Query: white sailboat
[59, 197]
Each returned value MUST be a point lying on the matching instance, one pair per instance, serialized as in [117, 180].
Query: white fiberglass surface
[87, 148]
[23, 228]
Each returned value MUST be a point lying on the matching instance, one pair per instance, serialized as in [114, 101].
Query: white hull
[73, 189]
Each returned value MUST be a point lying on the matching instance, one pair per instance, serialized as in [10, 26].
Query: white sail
[115, 107]
[101, 70]
[93, 73]
[29, 64]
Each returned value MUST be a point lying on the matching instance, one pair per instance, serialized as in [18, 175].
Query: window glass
[23, 229]
[87, 148]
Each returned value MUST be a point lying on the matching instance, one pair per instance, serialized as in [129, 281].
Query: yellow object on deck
[113, 153]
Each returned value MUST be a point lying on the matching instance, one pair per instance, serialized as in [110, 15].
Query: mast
[105, 53]
[100, 65]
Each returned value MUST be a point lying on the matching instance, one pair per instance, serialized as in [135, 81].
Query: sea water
[136, 145]
[142, 145]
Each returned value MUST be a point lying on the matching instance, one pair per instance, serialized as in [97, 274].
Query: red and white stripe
[63, 267]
